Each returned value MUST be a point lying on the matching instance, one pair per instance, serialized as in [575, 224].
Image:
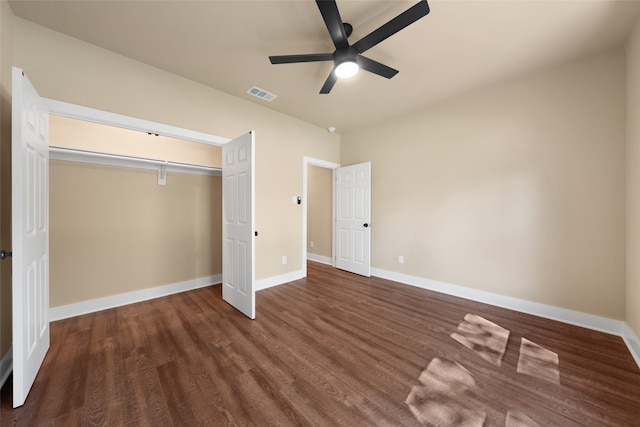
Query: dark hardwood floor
[334, 349]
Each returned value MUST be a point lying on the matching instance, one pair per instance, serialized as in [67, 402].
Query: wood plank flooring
[334, 349]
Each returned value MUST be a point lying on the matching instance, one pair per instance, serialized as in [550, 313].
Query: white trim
[632, 342]
[306, 161]
[319, 258]
[6, 366]
[98, 304]
[585, 320]
[112, 119]
[270, 282]
[82, 156]
[320, 163]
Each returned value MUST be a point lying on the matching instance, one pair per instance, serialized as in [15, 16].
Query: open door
[353, 218]
[30, 233]
[238, 252]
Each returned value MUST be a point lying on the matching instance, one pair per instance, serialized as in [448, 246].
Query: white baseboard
[269, 282]
[98, 304]
[578, 318]
[590, 321]
[633, 343]
[319, 258]
[6, 366]
[598, 323]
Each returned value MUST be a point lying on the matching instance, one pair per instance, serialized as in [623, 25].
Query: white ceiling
[459, 47]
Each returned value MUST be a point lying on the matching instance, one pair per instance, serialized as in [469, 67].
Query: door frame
[310, 161]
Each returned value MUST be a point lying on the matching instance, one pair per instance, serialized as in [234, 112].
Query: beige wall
[633, 182]
[69, 70]
[115, 230]
[6, 55]
[319, 210]
[517, 189]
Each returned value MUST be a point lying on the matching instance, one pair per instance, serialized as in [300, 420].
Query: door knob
[366, 225]
[5, 254]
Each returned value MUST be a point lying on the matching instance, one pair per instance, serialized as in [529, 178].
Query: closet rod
[143, 160]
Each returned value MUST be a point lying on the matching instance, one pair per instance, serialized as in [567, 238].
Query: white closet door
[30, 234]
[238, 252]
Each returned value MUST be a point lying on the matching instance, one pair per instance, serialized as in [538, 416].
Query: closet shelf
[162, 166]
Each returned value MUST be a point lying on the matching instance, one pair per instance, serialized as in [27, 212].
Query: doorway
[319, 214]
[350, 217]
[244, 270]
[323, 247]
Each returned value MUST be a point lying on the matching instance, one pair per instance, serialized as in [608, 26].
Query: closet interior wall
[113, 229]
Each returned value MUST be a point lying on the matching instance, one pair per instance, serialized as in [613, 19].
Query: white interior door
[30, 233]
[353, 218]
[238, 252]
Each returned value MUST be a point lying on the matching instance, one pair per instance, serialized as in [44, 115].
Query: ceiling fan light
[347, 70]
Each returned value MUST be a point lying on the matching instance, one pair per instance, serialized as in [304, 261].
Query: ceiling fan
[347, 59]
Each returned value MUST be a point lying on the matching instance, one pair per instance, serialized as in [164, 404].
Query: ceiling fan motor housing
[345, 54]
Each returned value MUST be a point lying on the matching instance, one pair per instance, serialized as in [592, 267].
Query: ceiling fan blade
[328, 84]
[311, 57]
[331, 16]
[375, 67]
[401, 21]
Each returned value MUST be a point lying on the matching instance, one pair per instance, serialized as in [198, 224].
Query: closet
[129, 211]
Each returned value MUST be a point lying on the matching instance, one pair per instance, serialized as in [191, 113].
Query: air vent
[262, 94]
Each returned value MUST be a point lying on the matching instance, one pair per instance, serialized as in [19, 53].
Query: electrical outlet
[311, 243]
[284, 259]
[400, 259]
